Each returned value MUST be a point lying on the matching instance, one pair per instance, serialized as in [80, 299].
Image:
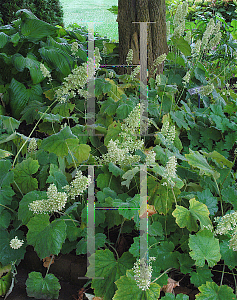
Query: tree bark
[129, 33]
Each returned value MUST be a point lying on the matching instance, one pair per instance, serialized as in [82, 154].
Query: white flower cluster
[160, 59]
[186, 78]
[129, 57]
[228, 225]
[211, 29]
[170, 170]
[121, 152]
[135, 71]
[78, 78]
[78, 185]
[188, 37]
[168, 131]
[32, 145]
[16, 243]
[207, 89]
[196, 49]
[143, 273]
[74, 48]
[179, 19]
[151, 157]
[45, 72]
[55, 201]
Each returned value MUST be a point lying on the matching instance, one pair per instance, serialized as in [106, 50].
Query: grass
[81, 12]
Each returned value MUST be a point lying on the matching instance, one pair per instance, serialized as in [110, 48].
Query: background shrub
[50, 11]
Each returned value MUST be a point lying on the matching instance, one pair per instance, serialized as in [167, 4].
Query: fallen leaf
[169, 288]
[47, 261]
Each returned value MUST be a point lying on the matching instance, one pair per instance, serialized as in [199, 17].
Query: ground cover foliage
[189, 153]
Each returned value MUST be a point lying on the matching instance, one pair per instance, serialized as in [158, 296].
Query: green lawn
[81, 11]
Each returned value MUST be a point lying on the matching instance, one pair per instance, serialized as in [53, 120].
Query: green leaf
[7, 253]
[10, 124]
[81, 247]
[201, 276]
[6, 179]
[128, 289]
[57, 177]
[207, 198]
[219, 159]
[113, 132]
[229, 256]
[57, 59]
[42, 288]
[60, 142]
[203, 247]
[212, 291]
[3, 39]
[81, 152]
[125, 108]
[20, 96]
[161, 196]
[35, 30]
[109, 107]
[182, 45]
[116, 171]
[106, 266]
[24, 214]
[197, 160]
[23, 175]
[47, 238]
[229, 195]
[188, 217]
[168, 258]
[4, 154]
[178, 117]
[128, 176]
[186, 263]
[5, 219]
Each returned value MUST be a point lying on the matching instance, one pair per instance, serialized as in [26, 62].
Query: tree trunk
[129, 33]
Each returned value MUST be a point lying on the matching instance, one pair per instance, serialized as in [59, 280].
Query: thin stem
[31, 133]
[222, 276]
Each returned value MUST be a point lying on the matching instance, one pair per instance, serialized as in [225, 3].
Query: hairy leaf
[203, 247]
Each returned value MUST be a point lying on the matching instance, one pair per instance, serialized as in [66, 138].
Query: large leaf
[23, 175]
[60, 143]
[20, 96]
[201, 276]
[207, 198]
[203, 247]
[6, 179]
[182, 45]
[57, 59]
[188, 217]
[229, 256]
[3, 39]
[47, 238]
[211, 291]
[108, 268]
[42, 288]
[128, 289]
[8, 254]
[35, 30]
[197, 160]
[29, 62]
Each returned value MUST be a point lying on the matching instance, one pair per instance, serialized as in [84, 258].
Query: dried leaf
[47, 261]
[169, 288]
[151, 211]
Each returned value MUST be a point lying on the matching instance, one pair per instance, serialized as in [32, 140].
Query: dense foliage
[50, 11]
[188, 156]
